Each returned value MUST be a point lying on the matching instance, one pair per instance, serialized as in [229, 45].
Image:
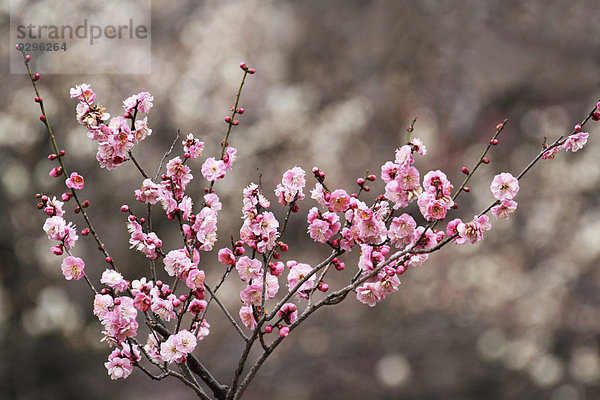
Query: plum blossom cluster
[389, 232]
[116, 137]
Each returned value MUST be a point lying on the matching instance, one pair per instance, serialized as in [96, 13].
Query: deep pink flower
[75, 181]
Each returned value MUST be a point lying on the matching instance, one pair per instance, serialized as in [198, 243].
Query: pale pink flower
[213, 170]
[163, 308]
[247, 317]
[318, 194]
[142, 101]
[205, 227]
[102, 305]
[252, 294]
[576, 142]
[408, 178]
[472, 232]
[83, 92]
[369, 293]
[195, 279]
[119, 367]
[212, 200]
[290, 188]
[404, 157]
[185, 341]
[319, 231]
[153, 349]
[72, 268]
[114, 279]
[248, 268]
[169, 351]
[339, 201]
[178, 263]
[504, 209]
[202, 329]
[402, 230]
[55, 228]
[186, 207]
[229, 157]
[192, 146]
[504, 186]
[75, 181]
[418, 146]
[141, 130]
[550, 153]
[298, 271]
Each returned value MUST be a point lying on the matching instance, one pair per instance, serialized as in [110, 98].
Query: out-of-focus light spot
[15, 179]
[585, 365]
[492, 344]
[519, 353]
[565, 392]
[53, 312]
[546, 370]
[392, 370]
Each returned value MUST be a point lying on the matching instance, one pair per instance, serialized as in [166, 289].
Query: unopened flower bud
[66, 196]
[466, 189]
[85, 204]
[36, 76]
[577, 128]
[43, 118]
[27, 58]
[85, 231]
[494, 142]
[371, 177]
[56, 172]
[251, 71]
[323, 287]
[465, 170]
[241, 110]
[360, 181]
[268, 329]
[37, 99]
[485, 160]
[108, 259]
[243, 66]
[125, 208]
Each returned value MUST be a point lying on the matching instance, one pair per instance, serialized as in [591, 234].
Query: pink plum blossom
[213, 170]
[247, 317]
[72, 268]
[504, 209]
[75, 181]
[504, 186]
[576, 141]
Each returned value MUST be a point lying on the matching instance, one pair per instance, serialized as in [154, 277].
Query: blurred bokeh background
[515, 317]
